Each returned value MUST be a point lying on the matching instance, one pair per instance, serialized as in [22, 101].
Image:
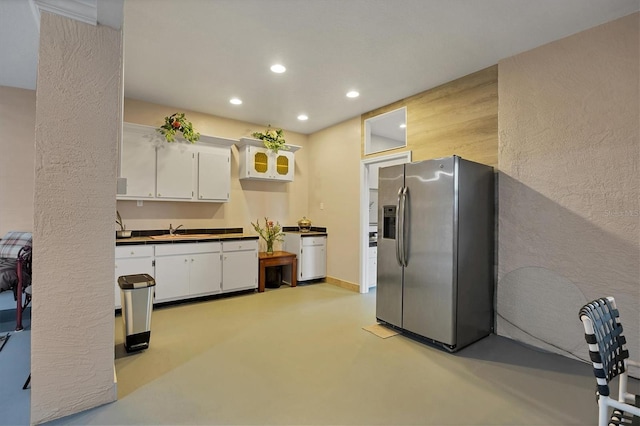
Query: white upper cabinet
[258, 162]
[138, 162]
[177, 171]
[214, 175]
[174, 171]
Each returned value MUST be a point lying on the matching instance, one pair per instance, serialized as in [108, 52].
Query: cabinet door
[214, 175]
[283, 166]
[138, 164]
[205, 273]
[175, 172]
[313, 262]
[129, 267]
[239, 270]
[172, 277]
[372, 269]
[259, 162]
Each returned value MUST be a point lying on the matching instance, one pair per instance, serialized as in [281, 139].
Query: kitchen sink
[181, 236]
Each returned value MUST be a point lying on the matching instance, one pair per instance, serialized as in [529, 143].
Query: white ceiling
[197, 54]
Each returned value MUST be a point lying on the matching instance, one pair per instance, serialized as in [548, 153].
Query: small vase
[269, 247]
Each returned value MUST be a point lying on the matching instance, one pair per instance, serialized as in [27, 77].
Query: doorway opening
[369, 213]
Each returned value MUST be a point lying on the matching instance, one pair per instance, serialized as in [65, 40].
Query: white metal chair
[603, 333]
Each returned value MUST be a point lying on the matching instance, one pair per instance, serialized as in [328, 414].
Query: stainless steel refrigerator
[436, 250]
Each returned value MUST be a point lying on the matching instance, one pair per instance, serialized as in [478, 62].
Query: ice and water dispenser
[389, 222]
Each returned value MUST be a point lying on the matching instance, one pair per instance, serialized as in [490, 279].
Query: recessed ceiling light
[236, 101]
[277, 68]
[352, 94]
[402, 126]
[303, 117]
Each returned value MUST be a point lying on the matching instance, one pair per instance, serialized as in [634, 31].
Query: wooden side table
[276, 259]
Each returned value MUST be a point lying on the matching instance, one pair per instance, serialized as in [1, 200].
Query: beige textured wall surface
[335, 182]
[77, 127]
[17, 121]
[569, 186]
[249, 200]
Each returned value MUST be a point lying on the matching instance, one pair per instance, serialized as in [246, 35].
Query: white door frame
[364, 209]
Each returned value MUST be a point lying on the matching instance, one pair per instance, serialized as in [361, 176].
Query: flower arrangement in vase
[178, 123]
[270, 233]
[273, 139]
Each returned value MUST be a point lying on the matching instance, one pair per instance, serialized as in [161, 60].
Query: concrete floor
[300, 356]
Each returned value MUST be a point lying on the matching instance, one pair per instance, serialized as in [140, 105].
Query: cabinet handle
[159, 194]
[192, 260]
[186, 260]
[150, 195]
[132, 253]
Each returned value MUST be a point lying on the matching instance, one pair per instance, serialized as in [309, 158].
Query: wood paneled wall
[459, 117]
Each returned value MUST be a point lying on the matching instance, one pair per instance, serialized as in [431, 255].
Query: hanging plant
[273, 139]
[178, 123]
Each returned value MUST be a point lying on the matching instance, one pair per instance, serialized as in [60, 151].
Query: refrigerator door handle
[405, 249]
[398, 227]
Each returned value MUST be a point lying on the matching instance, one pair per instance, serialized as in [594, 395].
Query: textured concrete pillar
[78, 102]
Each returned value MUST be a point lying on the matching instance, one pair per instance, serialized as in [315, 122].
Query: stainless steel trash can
[136, 294]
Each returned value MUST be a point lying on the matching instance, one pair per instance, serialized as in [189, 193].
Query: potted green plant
[273, 139]
[178, 123]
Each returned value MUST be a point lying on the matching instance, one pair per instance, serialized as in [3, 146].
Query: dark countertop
[185, 236]
[315, 231]
[308, 233]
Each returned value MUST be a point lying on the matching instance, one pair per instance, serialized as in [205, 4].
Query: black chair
[603, 333]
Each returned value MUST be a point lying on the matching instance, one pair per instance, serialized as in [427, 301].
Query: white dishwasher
[311, 251]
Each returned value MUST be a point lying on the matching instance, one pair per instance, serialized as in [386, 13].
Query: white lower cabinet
[372, 267]
[311, 251]
[239, 265]
[172, 277]
[187, 270]
[133, 259]
[313, 260]
[183, 271]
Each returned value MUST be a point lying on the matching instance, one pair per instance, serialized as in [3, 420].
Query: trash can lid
[128, 282]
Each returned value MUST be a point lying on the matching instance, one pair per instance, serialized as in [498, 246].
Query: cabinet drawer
[124, 252]
[239, 245]
[171, 249]
[313, 241]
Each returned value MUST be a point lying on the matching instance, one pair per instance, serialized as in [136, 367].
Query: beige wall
[77, 129]
[249, 200]
[335, 182]
[17, 121]
[569, 185]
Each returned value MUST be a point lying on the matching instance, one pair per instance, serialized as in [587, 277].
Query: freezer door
[429, 308]
[389, 288]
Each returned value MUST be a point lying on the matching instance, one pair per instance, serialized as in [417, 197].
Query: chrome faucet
[172, 230]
